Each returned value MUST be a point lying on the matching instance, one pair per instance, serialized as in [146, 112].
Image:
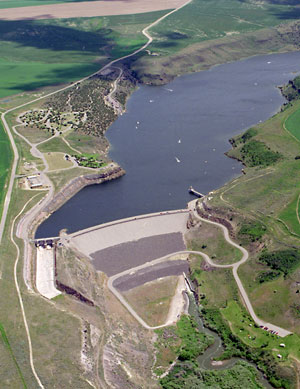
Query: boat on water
[177, 159]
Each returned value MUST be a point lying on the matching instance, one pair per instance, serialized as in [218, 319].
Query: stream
[216, 349]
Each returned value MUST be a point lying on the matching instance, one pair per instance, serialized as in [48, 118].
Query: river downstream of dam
[174, 136]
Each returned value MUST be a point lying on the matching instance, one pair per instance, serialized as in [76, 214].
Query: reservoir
[174, 136]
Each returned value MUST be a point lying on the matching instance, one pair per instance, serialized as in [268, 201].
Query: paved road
[28, 218]
[235, 266]
[124, 302]
[31, 215]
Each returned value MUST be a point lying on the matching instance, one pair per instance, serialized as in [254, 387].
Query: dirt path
[88, 9]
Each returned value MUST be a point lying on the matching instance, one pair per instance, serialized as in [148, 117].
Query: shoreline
[72, 187]
[136, 87]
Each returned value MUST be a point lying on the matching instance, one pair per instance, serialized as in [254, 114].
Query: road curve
[235, 266]
[7, 128]
[28, 218]
[122, 299]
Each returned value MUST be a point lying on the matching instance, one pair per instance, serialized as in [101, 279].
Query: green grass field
[55, 145]
[5, 162]
[243, 327]
[28, 3]
[35, 54]
[292, 124]
[8, 347]
[289, 216]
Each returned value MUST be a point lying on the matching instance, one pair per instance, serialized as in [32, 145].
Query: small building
[279, 356]
[282, 345]
[34, 182]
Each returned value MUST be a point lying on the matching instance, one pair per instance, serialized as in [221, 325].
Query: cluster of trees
[292, 90]
[187, 375]
[87, 97]
[193, 342]
[284, 261]
[247, 135]
[268, 276]
[88, 161]
[256, 153]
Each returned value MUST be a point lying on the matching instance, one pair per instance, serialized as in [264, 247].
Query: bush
[284, 261]
[268, 276]
[252, 231]
[193, 342]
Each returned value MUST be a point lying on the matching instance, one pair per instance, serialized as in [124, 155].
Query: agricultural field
[202, 20]
[204, 34]
[30, 49]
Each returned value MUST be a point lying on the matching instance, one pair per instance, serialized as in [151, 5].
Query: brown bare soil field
[88, 9]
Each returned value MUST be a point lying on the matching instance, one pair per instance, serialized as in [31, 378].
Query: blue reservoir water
[174, 136]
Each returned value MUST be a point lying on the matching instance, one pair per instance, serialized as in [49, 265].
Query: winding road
[27, 220]
[235, 266]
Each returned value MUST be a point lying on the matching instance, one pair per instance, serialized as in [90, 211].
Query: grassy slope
[202, 20]
[40, 53]
[204, 34]
[49, 326]
[215, 286]
[152, 300]
[269, 194]
[210, 239]
[5, 161]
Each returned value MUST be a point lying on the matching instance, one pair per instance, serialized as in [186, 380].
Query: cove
[174, 136]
